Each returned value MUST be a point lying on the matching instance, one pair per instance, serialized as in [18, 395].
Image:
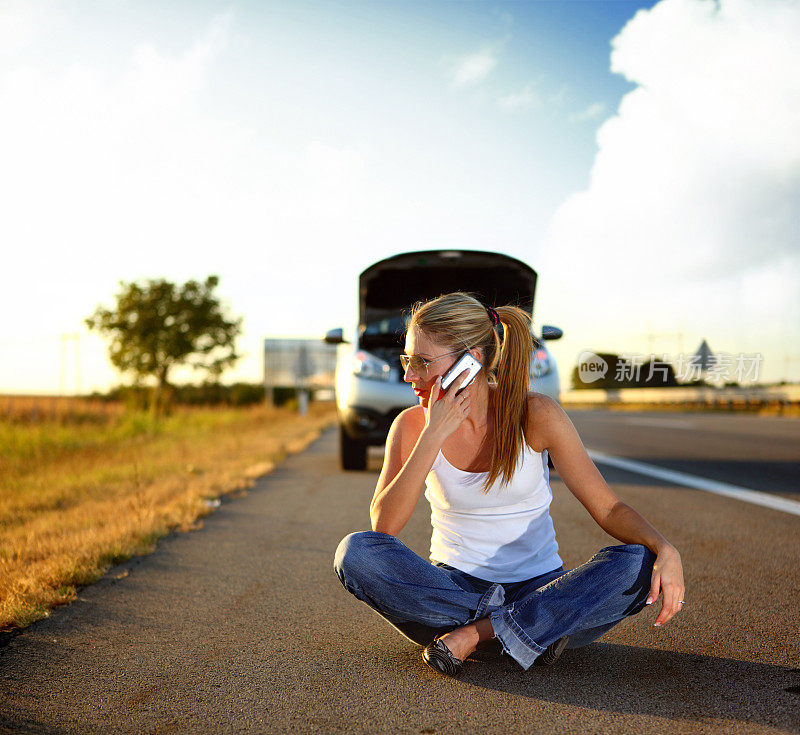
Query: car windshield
[387, 332]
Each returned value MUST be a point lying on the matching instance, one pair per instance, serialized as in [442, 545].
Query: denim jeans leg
[418, 598]
[583, 603]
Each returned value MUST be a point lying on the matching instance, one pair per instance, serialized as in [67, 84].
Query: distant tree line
[204, 394]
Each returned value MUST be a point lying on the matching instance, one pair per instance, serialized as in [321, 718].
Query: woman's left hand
[667, 576]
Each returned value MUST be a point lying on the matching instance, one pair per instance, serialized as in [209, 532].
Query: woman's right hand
[448, 410]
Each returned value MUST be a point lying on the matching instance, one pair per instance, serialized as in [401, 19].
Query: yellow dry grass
[62, 409]
[77, 499]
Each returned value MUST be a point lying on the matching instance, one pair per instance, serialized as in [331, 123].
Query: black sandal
[552, 652]
[438, 656]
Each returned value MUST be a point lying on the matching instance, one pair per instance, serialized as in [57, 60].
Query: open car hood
[389, 288]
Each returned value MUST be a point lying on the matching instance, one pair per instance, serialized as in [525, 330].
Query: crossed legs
[424, 601]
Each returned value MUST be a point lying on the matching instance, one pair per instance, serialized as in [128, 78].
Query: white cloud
[697, 178]
[702, 161]
[469, 70]
[595, 110]
[115, 174]
[124, 171]
[88, 143]
[21, 21]
[524, 99]
[156, 81]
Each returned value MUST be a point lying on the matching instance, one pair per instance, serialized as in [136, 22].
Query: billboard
[299, 363]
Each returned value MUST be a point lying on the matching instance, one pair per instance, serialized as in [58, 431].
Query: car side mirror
[549, 332]
[335, 336]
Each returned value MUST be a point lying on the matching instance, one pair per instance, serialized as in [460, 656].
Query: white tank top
[505, 535]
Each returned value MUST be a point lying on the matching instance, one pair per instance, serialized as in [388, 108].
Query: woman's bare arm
[405, 468]
[402, 478]
[616, 518]
[584, 481]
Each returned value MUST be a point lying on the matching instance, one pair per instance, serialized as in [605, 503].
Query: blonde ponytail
[511, 403]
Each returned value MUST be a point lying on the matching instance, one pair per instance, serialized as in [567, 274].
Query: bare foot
[462, 641]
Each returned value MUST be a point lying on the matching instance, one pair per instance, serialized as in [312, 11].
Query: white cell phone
[465, 362]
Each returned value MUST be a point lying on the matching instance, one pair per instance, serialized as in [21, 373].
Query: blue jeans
[424, 600]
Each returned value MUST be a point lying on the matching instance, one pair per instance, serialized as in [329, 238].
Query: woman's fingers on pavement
[655, 586]
[672, 594]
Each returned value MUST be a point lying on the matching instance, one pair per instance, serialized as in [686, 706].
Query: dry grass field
[58, 409]
[85, 486]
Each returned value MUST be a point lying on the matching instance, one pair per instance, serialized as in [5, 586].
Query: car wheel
[352, 452]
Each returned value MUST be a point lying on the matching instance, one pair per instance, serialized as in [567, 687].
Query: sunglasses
[420, 364]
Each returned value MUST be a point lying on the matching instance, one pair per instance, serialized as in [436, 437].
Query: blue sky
[628, 151]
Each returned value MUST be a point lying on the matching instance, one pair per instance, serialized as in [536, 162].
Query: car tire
[352, 452]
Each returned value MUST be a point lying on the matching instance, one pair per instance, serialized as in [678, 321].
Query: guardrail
[778, 396]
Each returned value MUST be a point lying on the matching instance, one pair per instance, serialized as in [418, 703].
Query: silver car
[370, 390]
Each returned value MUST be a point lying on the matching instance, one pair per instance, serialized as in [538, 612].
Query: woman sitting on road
[495, 573]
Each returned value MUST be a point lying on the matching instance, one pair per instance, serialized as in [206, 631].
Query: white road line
[700, 483]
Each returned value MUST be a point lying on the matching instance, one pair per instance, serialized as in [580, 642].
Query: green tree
[158, 325]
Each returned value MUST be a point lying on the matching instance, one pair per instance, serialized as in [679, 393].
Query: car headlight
[366, 365]
[540, 365]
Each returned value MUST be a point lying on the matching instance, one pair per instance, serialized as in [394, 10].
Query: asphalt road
[242, 626]
[760, 453]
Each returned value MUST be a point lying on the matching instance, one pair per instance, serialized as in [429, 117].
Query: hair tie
[493, 315]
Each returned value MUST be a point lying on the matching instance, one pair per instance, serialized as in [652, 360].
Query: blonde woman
[495, 578]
